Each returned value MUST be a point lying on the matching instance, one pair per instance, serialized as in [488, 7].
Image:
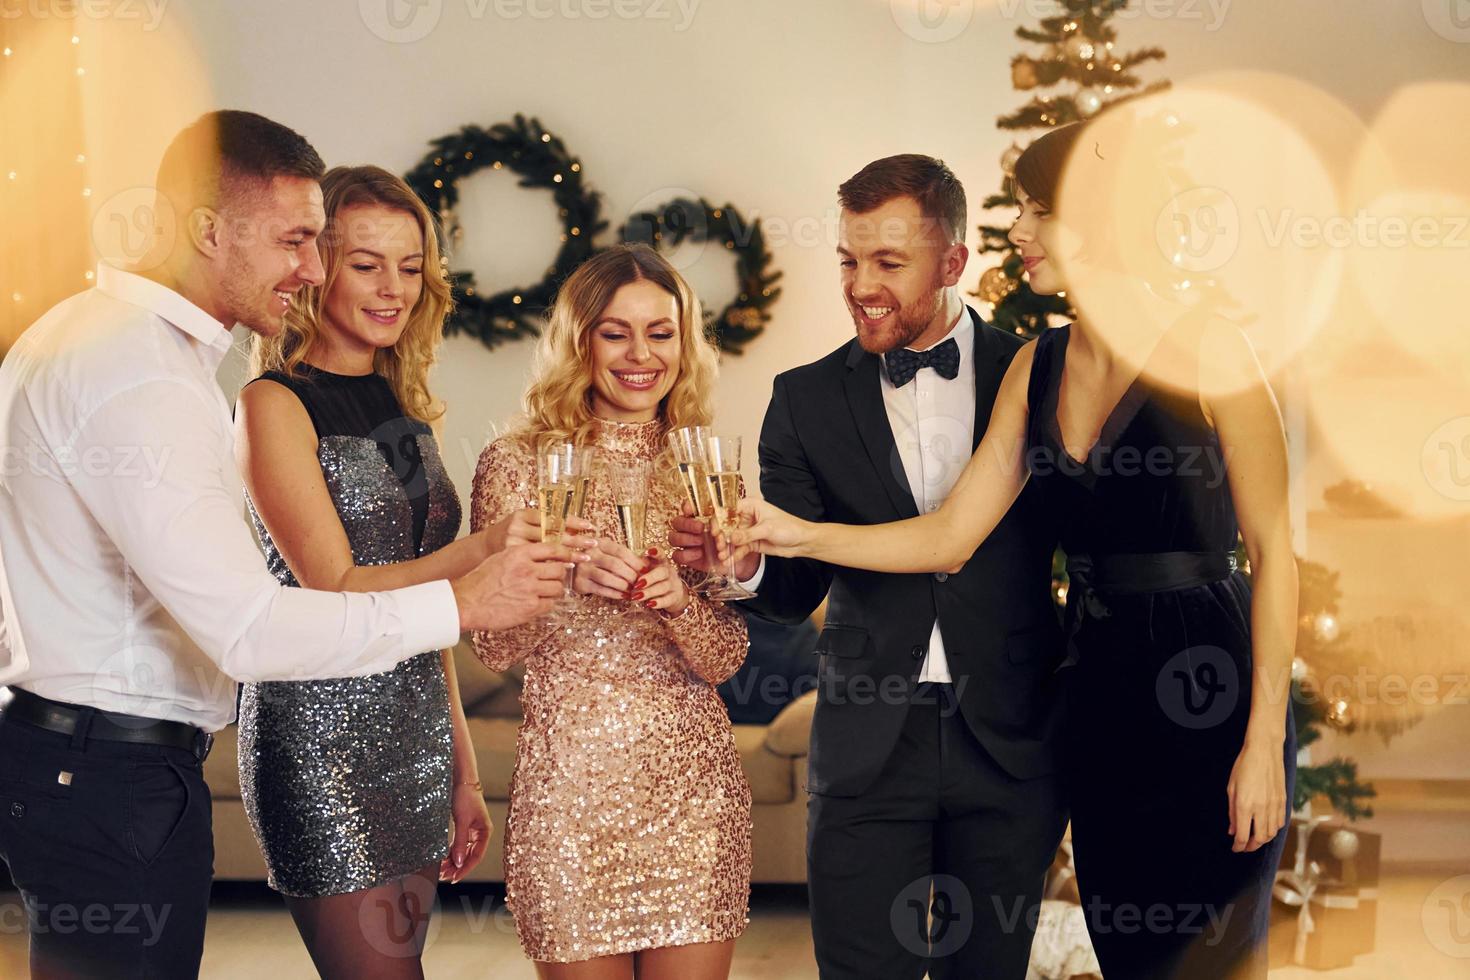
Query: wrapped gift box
[1333, 870]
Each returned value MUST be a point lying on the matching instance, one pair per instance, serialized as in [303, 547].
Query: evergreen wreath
[539, 159]
[744, 317]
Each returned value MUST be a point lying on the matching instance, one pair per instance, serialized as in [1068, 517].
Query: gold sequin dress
[629, 822]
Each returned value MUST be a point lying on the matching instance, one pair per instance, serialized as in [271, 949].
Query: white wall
[768, 104]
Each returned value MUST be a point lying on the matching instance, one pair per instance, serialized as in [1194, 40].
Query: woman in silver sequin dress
[627, 849]
[351, 784]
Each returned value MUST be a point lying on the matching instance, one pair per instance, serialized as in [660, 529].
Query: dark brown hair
[229, 152]
[940, 195]
[1040, 166]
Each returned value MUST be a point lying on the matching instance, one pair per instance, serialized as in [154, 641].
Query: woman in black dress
[1181, 757]
[351, 784]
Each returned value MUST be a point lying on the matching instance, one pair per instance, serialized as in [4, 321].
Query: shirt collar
[164, 303]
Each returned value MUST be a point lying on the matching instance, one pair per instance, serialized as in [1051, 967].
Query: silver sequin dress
[629, 822]
[347, 782]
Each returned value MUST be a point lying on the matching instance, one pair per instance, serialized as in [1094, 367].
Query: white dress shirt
[128, 578]
[933, 423]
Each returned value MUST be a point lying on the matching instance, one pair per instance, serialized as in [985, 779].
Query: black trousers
[112, 848]
[942, 815]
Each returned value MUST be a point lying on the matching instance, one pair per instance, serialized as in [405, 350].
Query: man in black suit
[934, 742]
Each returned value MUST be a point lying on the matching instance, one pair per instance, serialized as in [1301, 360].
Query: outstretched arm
[941, 541]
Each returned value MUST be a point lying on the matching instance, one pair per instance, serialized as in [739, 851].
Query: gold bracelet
[474, 783]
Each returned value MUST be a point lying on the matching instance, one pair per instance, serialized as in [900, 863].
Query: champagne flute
[563, 482]
[722, 459]
[628, 482]
[687, 445]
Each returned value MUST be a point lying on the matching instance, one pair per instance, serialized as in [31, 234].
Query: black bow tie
[903, 364]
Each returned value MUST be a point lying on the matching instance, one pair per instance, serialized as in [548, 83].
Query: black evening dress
[347, 782]
[1158, 676]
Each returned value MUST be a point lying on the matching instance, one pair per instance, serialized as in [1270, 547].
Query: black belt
[1090, 577]
[109, 726]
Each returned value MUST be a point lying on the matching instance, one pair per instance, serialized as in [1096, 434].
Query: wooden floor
[1423, 934]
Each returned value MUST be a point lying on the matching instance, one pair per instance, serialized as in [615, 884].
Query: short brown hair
[226, 153]
[940, 195]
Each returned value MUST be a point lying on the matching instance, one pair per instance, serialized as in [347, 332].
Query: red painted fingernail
[640, 583]
[651, 603]
[652, 552]
[637, 595]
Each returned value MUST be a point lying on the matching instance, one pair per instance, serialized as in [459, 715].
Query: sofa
[774, 756]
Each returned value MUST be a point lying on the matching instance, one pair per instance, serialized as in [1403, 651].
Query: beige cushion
[790, 734]
[495, 751]
[770, 776]
[222, 769]
[476, 681]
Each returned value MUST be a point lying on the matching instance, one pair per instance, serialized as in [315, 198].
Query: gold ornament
[1078, 47]
[1343, 844]
[1023, 73]
[744, 316]
[1339, 714]
[995, 285]
[1008, 160]
[1087, 101]
[1325, 627]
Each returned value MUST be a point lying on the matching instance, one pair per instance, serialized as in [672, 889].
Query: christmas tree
[1078, 57]
[1321, 651]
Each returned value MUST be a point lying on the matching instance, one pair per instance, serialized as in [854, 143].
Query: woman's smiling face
[635, 348]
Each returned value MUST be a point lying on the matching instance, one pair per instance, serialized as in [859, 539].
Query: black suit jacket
[827, 453]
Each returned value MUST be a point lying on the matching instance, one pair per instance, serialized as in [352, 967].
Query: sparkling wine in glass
[687, 445]
[722, 473]
[628, 482]
[563, 484]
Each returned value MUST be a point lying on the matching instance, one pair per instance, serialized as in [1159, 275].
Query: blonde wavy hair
[406, 364]
[558, 401]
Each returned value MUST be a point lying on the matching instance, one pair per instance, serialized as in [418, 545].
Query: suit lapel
[990, 368]
[865, 399]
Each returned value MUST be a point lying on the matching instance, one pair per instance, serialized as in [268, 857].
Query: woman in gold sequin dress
[627, 848]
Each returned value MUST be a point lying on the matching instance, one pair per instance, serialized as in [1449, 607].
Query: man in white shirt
[132, 594]
[933, 755]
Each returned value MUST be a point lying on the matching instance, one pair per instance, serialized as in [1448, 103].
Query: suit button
[941, 576]
[17, 809]
[917, 653]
